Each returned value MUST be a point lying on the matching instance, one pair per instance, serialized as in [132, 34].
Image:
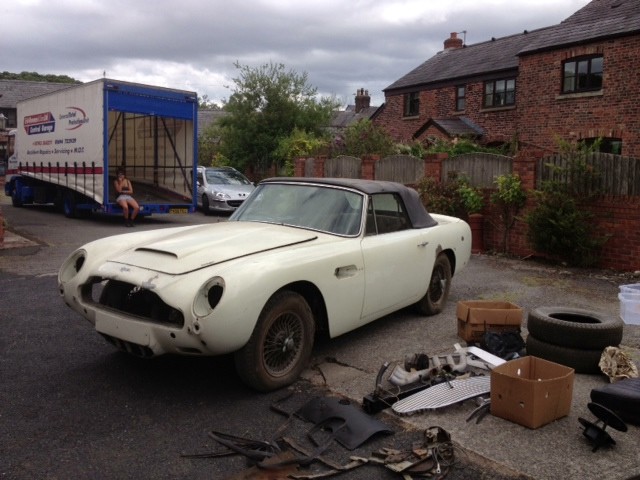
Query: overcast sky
[342, 45]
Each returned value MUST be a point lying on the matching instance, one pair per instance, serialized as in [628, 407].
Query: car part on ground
[443, 395]
[582, 361]
[595, 431]
[575, 327]
[621, 397]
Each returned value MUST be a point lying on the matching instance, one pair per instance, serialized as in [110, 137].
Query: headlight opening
[208, 297]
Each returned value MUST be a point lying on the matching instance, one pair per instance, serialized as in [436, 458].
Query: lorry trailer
[70, 143]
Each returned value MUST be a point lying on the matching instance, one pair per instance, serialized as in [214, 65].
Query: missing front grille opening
[132, 300]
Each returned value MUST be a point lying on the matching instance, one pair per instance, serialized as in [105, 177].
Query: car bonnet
[207, 245]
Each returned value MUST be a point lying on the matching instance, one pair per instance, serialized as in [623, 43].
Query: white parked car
[301, 257]
[222, 189]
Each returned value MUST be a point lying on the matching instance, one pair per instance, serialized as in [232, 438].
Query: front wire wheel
[280, 345]
[438, 290]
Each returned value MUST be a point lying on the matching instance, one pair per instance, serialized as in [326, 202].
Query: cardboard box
[479, 316]
[531, 391]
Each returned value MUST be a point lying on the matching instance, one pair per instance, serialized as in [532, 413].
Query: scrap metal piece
[481, 411]
[596, 432]
[382, 398]
[350, 426]
[443, 394]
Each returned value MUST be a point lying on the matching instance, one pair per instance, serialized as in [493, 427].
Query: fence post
[433, 165]
[525, 164]
[298, 167]
[318, 166]
[369, 166]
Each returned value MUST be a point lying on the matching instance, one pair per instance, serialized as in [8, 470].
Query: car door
[397, 258]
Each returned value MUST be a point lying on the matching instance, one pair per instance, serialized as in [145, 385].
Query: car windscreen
[327, 209]
[219, 177]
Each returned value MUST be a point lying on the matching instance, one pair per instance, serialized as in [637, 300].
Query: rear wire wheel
[280, 345]
[438, 290]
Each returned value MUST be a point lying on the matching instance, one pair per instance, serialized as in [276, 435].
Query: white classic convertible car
[301, 257]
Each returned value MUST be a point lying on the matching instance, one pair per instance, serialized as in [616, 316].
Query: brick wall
[544, 114]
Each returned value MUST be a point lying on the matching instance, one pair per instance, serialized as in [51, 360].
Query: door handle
[423, 244]
[346, 271]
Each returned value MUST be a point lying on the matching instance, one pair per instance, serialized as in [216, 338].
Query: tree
[267, 104]
[205, 103]
[365, 138]
[37, 77]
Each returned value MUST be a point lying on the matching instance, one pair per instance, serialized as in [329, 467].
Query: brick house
[577, 80]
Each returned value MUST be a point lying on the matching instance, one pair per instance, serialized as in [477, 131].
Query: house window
[582, 74]
[460, 93]
[500, 93]
[605, 144]
[412, 104]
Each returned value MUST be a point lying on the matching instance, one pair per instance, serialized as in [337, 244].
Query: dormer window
[582, 74]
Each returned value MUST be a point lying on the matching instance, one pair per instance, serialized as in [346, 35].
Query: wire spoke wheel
[283, 344]
[280, 345]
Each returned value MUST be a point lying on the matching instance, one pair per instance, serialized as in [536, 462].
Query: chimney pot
[453, 41]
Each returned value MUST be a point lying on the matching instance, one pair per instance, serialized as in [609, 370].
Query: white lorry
[70, 143]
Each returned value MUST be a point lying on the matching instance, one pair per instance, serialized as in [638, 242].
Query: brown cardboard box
[479, 316]
[531, 391]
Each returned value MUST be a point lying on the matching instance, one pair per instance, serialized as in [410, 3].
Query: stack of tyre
[572, 336]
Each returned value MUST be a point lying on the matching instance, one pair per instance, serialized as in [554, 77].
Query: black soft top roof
[418, 215]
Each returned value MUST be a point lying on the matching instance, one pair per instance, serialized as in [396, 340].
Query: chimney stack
[363, 100]
[453, 42]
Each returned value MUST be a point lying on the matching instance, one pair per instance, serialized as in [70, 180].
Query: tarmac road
[74, 408]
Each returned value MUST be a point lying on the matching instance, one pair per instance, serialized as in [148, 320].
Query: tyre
[438, 291]
[280, 345]
[15, 199]
[581, 360]
[575, 328]
[69, 204]
[205, 204]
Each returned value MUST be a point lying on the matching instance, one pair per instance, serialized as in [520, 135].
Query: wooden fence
[405, 169]
[594, 174]
[343, 166]
[481, 169]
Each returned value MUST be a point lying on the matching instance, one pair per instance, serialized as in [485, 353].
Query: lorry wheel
[69, 204]
[15, 199]
[575, 327]
[582, 361]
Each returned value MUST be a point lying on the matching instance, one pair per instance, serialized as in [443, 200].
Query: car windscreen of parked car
[327, 209]
[226, 177]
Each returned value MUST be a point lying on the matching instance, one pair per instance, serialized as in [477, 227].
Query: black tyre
[438, 291]
[69, 204]
[582, 361]
[575, 327]
[205, 204]
[280, 345]
[15, 199]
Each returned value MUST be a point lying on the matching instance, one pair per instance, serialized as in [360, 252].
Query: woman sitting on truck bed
[125, 198]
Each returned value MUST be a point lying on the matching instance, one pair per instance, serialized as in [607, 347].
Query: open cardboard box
[475, 317]
[531, 391]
